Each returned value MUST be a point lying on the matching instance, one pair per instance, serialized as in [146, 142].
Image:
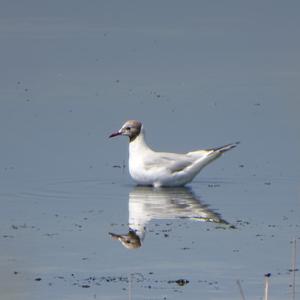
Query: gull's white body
[148, 167]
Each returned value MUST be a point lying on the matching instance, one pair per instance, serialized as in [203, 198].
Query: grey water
[198, 74]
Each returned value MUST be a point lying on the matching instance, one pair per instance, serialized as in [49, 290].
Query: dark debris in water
[38, 279]
[22, 226]
[7, 236]
[242, 223]
[180, 282]
[146, 281]
[213, 185]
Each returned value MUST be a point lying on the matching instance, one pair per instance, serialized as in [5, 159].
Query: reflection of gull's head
[130, 240]
[147, 203]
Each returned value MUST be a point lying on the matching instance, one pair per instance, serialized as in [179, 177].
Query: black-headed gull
[148, 167]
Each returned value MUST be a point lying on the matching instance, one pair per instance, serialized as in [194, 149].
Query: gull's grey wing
[170, 161]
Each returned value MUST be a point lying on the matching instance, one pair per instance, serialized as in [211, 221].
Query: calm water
[198, 75]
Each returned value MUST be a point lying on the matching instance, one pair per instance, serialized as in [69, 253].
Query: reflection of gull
[147, 203]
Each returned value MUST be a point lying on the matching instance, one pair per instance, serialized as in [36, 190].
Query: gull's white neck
[139, 151]
[139, 145]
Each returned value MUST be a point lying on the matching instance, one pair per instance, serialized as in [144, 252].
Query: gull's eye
[127, 128]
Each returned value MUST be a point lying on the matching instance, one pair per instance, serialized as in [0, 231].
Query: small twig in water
[294, 269]
[130, 286]
[241, 290]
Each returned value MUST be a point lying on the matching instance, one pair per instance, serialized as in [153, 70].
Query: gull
[150, 168]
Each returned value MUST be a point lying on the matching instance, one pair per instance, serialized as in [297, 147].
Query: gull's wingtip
[225, 147]
[233, 145]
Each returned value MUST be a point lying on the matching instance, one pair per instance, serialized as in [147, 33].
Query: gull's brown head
[131, 128]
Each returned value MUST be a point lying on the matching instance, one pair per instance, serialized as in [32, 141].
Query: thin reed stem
[240, 290]
[267, 283]
[294, 268]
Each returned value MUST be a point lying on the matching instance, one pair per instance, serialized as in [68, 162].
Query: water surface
[198, 75]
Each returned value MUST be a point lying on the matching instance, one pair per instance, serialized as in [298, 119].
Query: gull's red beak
[115, 134]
